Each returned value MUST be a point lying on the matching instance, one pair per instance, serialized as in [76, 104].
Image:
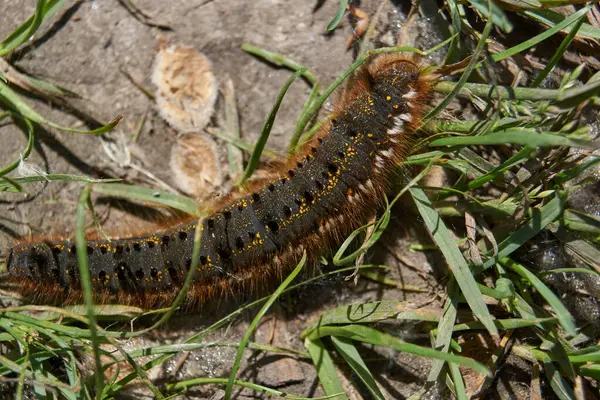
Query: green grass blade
[314, 93]
[25, 154]
[266, 131]
[256, 321]
[13, 184]
[497, 92]
[454, 257]
[369, 335]
[525, 137]
[523, 154]
[43, 10]
[541, 37]
[564, 317]
[551, 18]
[559, 53]
[86, 284]
[444, 330]
[466, 74]
[559, 385]
[184, 385]
[280, 61]
[325, 368]
[131, 192]
[455, 28]
[15, 103]
[338, 16]
[348, 351]
[592, 371]
[200, 335]
[362, 313]
[504, 324]
[494, 12]
[571, 173]
[540, 220]
[457, 380]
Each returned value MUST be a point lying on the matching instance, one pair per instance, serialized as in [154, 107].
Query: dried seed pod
[196, 166]
[186, 87]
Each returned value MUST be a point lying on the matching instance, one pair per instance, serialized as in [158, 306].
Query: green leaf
[15, 103]
[348, 351]
[13, 184]
[444, 330]
[540, 220]
[338, 16]
[131, 192]
[541, 37]
[266, 130]
[553, 18]
[499, 18]
[43, 10]
[525, 137]
[369, 335]
[325, 368]
[454, 257]
[362, 313]
[564, 317]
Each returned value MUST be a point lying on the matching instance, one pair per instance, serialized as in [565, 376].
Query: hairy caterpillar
[325, 192]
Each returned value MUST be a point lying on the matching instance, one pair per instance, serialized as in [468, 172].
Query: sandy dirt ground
[87, 46]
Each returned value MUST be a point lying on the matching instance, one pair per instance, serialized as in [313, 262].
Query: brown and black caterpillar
[326, 191]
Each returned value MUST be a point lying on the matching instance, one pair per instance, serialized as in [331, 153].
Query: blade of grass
[552, 18]
[457, 380]
[362, 313]
[8, 185]
[43, 10]
[504, 324]
[564, 317]
[15, 103]
[493, 12]
[558, 54]
[325, 368]
[338, 16]
[541, 37]
[571, 173]
[455, 28]
[256, 321]
[348, 351]
[454, 257]
[524, 137]
[559, 385]
[496, 92]
[86, 284]
[239, 143]
[131, 192]
[540, 219]
[25, 154]
[466, 74]
[443, 334]
[253, 386]
[264, 134]
[369, 335]
[280, 61]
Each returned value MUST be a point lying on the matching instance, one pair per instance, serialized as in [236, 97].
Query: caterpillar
[328, 189]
